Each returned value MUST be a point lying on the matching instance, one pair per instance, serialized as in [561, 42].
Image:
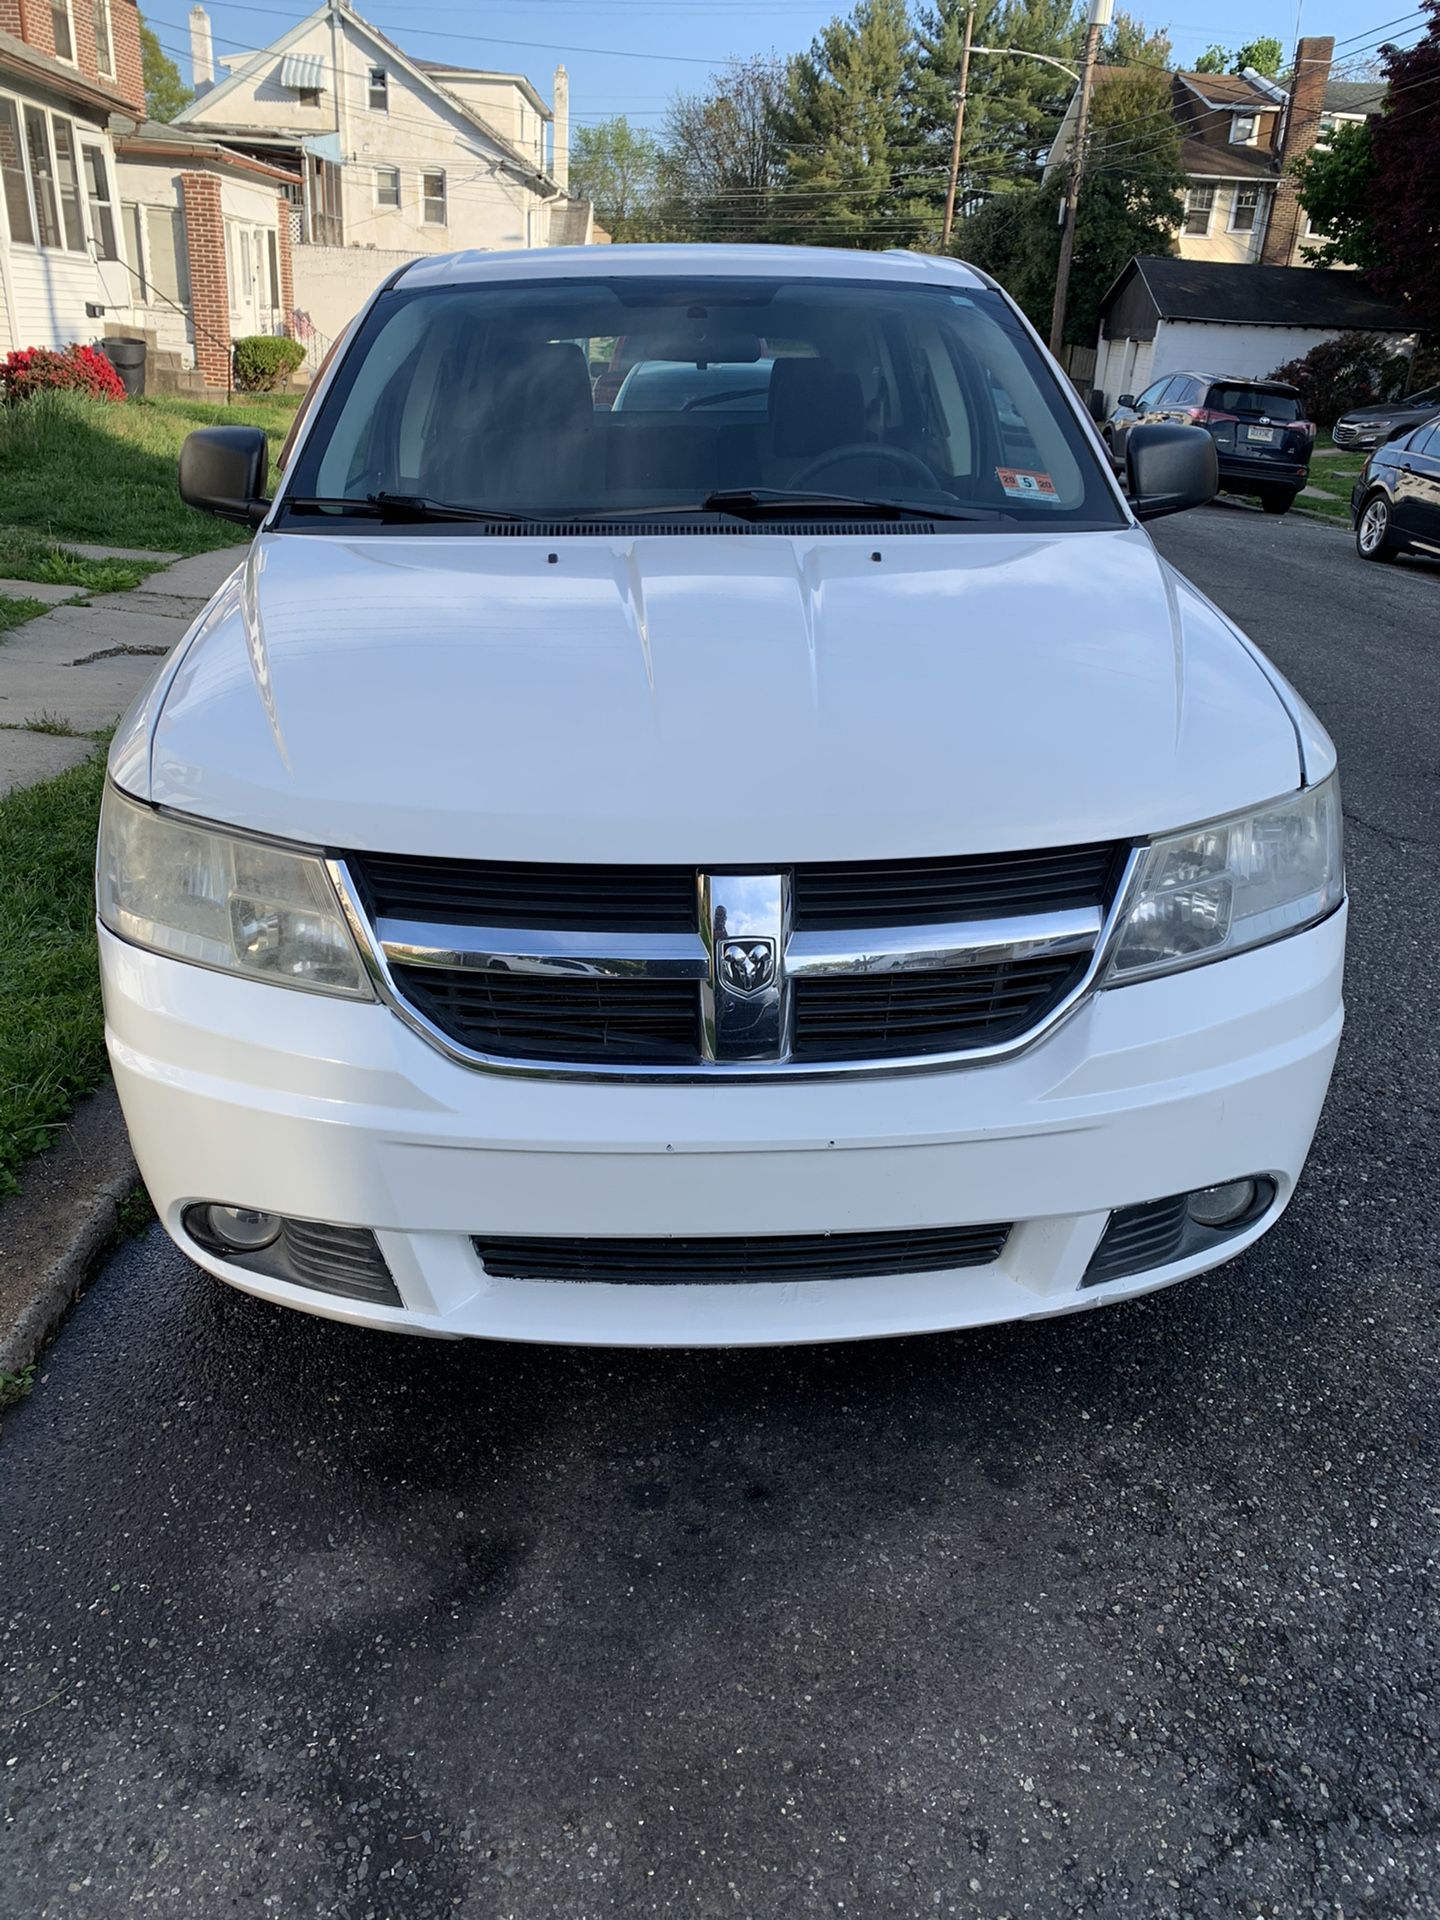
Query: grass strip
[73, 468]
[14, 612]
[52, 1043]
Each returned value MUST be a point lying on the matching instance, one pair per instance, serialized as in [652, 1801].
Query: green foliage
[1336, 190]
[1128, 42]
[15, 610]
[15, 1386]
[165, 92]
[52, 1043]
[23, 557]
[1130, 203]
[1354, 370]
[264, 361]
[1263, 56]
[849, 136]
[617, 166]
[1404, 201]
[1214, 60]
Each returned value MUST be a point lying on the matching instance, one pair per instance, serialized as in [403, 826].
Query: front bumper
[253, 1096]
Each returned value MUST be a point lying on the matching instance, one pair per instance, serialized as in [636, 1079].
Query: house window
[434, 189]
[1199, 205]
[167, 266]
[104, 50]
[97, 197]
[64, 32]
[133, 220]
[273, 249]
[12, 173]
[1243, 209]
[42, 178]
[1242, 129]
[387, 186]
[69, 179]
[308, 96]
[379, 90]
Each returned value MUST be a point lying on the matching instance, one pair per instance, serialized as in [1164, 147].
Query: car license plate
[1261, 436]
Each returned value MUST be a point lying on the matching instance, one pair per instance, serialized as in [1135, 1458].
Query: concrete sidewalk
[69, 673]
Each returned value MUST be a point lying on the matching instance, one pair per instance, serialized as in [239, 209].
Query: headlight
[1234, 884]
[222, 900]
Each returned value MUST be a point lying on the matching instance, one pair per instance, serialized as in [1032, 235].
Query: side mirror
[1126, 400]
[1170, 468]
[223, 471]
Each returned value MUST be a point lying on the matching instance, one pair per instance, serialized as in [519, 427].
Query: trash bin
[128, 359]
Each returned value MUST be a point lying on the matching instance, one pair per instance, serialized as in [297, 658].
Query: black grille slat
[869, 1015]
[754, 1259]
[485, 893]
[917, 892]
[519, 1016]
[1138, 1238]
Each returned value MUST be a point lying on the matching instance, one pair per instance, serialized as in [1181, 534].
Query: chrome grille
[817, 968]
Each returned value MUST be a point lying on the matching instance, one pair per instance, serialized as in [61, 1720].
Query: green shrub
[264, 361]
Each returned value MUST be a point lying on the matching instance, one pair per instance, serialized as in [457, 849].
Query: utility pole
[949, 225]
[1100, 11]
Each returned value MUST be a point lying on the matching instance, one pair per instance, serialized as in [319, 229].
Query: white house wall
[48, 288]
[505, 106]
[333, 283]
[1252, 352]
[485, 206]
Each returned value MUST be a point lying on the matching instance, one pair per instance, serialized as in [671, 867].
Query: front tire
[1276, 499]
[1374, 534]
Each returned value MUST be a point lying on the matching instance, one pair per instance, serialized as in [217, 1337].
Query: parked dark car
[1373, 426]
[1396, 501]
[1258, 426]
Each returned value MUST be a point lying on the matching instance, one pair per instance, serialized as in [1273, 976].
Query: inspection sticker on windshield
[1017, 484]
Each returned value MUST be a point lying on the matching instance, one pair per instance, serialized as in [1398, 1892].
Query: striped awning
[304, 72]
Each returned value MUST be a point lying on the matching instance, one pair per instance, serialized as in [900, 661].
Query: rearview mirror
[1170, 468]
[223, 471]
[1126, 400]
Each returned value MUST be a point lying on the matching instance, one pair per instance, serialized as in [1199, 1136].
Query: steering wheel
[910, 465]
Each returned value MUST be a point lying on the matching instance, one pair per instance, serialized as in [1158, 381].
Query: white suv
[781, 860]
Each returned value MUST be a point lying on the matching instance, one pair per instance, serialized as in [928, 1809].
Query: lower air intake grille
[755, 1258]
[1139, 1238]
[878, 1016]
[529, 1016]
[344, 1260]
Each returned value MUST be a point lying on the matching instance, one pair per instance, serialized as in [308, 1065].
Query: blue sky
[662, 47]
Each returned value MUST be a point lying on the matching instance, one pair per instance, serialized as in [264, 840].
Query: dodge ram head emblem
[747, 966]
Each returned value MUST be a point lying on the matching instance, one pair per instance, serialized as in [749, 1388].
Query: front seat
[530, 440]
[813, 407]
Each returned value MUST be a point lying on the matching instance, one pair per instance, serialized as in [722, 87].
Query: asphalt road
[1131, 1614]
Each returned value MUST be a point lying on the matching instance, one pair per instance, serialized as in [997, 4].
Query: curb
[55, 1231]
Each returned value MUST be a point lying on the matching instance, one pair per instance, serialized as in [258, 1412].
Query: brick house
[68, 69]
[1240, 136]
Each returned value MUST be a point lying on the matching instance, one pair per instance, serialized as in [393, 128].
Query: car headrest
[813, 405]
[541, 388]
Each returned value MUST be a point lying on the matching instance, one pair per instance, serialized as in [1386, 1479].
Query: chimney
[202, 51]
[560, 162]
[1301, 129]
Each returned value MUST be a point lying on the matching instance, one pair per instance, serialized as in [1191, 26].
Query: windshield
[503, 398]
[1429, 397]
[1257, 400]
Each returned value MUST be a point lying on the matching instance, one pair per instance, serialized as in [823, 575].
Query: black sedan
[1396, 501]
[1372, 426]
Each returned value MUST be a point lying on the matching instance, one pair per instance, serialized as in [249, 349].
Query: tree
[849, 137]
[1213, 60]
[1262, 56]
[165, 92]
[1336, 185]
[1404, 199]
[1353, 370]
[1130, 202]
[723, 154]
[617, 166]
[1013, 106]
[1128, 42]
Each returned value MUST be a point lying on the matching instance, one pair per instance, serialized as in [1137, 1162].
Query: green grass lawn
[52, 1045]
[1337, 473]
[72, 468]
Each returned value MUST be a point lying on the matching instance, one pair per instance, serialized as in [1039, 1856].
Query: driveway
[1129, 1614]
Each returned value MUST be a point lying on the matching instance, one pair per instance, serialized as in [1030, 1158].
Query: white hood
[712, 699]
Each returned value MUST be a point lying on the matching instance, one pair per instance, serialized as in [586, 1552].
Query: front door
[1417, 487]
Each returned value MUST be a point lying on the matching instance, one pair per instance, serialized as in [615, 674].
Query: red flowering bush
[41, 370]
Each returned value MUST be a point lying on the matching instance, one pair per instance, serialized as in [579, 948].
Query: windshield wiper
[779, 501]
[405, 506]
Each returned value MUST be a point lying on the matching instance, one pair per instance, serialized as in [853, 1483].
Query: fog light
[1220, 1206]
[242, 1228]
